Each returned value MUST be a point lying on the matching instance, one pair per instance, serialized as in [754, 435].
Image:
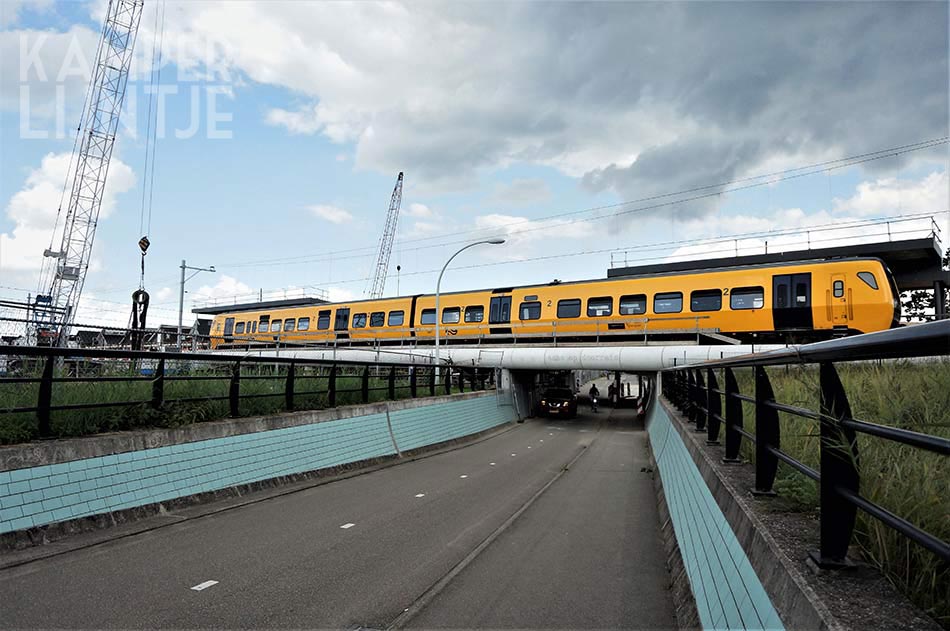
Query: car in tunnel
[558, 402]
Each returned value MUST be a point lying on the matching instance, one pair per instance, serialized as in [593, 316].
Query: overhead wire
[747, 183]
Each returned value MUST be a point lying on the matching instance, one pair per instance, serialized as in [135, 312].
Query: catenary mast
[64, 270]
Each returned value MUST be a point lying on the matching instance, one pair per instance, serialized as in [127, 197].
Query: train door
[342, 323]
[499, 312]
[839, 300]
[791, 301]
[228, 329]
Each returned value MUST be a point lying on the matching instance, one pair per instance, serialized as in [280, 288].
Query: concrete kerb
[25, 546]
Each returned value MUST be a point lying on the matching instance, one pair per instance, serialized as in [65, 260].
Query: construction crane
[386, 241]
[64, 270]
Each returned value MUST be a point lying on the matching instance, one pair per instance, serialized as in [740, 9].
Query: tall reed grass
[910, 482]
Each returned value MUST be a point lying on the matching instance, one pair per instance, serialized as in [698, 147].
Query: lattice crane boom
[64, 270]
[386, 241]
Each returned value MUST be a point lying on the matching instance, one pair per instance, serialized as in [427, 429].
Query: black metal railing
[331, 383]
[695, 390]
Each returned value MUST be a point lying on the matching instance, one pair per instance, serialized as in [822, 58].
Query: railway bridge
[357, 488]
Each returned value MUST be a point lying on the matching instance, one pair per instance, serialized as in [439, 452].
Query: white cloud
[331, 213]
[33, 210]
[340, 294]
[792, 229]
[554, 84]
[520, 231]
[164, 294]
[225, 289]
[890, 196]
[419, 210]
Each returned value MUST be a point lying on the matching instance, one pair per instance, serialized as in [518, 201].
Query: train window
[781, 295]
[275, 326]
[599, 307]
[239, 328]
[705, 300]
[633, 305]
[868, 279]
[570, 308]
[359, 320]
[801, 292]
[747, 298]
[262, 327]
[396, 318]
[427, 316]
[451, 315]
[254, 327]
[474, 314]
[303, 324]
[530, 310]
[323, 320]
[289, 324]
[377, 318]
[839, 288]
[670, 302]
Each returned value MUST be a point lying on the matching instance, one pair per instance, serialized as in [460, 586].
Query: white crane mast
[386, 242]
[64, 270]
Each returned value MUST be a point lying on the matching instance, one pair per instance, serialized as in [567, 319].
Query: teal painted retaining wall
[728, 593]
[35, 496]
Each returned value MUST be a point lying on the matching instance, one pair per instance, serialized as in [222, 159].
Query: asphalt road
[360, 551]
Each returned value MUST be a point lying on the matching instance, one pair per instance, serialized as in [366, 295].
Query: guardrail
[695, 390]
[48, 367]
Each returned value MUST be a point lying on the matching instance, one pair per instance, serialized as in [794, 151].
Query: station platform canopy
[260, 305]
[915, 263]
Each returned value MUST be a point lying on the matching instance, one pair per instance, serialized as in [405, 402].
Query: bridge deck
[587, 553]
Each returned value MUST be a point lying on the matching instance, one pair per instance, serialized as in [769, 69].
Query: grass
[263, 385]
[910, 482]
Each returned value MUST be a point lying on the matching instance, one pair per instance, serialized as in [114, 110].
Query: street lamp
[438, 286]
[181, 295]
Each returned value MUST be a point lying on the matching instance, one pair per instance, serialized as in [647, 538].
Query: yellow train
[797, 301]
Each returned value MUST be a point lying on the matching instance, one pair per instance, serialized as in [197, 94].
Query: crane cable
[140, 297]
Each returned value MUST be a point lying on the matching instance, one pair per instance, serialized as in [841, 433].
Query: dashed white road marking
[205, 585]
[551, 434]
[347, 525]
[420, 494]
[542, 440]
[514, 454]
[529, 446]
[492, 463]
[463, 476]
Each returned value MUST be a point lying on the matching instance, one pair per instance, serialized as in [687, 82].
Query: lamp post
[438, 286]
[181, 294]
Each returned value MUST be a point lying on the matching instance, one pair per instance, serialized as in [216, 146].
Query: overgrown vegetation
[910, 482]
[264, 386]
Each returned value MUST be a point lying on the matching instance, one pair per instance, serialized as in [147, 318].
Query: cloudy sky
[572, 129]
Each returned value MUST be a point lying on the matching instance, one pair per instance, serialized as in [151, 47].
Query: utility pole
[181, 294]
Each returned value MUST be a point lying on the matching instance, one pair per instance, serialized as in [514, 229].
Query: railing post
[448, 381]
[392, 383]
[45, 398]
[713, 407]
[700, 402]
[839, 462]
[331, 387]
[364, 385]
[412, 381]
[432, 383]
[289, 387]
[733, 419]
[461, 380]
[234, 392]
[690, 396]
[766, 434]
[158, 386]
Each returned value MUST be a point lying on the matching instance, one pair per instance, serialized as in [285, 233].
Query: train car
[799, 301]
